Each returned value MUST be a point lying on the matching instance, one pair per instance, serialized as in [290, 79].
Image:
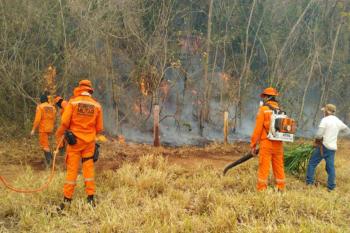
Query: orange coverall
[83, 116]
[270, 151]
[44, 120]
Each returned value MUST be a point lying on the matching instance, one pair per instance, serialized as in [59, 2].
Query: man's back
[331, 126]
[263, 121]
[47, 117]
[83, 115]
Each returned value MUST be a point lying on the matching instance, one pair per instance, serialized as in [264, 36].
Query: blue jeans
[315, 159]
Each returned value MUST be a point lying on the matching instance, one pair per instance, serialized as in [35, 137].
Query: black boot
[48, 157]
[91, 201]
[66, 202]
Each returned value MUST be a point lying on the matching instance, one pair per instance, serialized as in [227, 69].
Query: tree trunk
[279, 56]
[156, 136]
[225, 127]
[65, 57]
[238, 107]
[204, 116]
[331, 62]
[325, 88]
[300, 118]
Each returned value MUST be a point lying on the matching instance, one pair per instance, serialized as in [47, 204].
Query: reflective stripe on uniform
[88, 179]
[262, 181]
[280, 180]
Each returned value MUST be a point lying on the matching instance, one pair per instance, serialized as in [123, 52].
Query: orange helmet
[85, 82]
[269, 91]
[86, 85]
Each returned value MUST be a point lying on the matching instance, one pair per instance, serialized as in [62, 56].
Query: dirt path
[114, 155]
[206, 158]
[217, 155]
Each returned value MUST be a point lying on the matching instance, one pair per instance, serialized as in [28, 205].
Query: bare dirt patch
[113, 155]
[17, 154]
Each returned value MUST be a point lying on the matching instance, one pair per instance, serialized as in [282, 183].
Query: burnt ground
[16, 156]
[113, 155]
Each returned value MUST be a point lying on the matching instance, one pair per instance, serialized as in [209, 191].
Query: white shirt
[329, 129]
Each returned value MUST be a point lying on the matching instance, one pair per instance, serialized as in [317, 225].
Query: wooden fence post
[156, 136]
[225, 127]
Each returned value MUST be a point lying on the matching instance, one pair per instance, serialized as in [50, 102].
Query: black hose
[239, 161]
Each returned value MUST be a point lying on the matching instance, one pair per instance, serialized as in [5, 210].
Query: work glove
[253, 151]
[317, 142]
[32, 132]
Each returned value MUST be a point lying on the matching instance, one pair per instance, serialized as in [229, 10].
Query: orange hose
[44, 186]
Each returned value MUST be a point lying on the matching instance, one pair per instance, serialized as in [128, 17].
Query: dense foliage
[296, 158]
[143, 52]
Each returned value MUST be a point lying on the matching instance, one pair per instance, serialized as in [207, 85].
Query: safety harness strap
[274, 110]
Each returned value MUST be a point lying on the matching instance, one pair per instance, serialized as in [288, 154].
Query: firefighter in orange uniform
[44, 120]
[83, 118]
[270, 151]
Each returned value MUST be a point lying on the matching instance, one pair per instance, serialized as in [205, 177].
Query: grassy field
[179, 192]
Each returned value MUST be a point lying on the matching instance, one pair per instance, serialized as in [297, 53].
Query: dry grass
[154, 195]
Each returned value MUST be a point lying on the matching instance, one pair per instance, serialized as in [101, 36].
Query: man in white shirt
[327, 135]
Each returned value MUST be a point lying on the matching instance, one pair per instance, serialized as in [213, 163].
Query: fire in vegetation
[121, 139]
[50, 82]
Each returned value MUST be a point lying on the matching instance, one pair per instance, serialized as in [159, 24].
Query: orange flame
[50, 82]
[224, 76]
[140, 108]
[136, 108]
[121, 139]
[143, 89]
[165, 87]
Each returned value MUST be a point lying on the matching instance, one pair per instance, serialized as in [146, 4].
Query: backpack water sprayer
[282, 128]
